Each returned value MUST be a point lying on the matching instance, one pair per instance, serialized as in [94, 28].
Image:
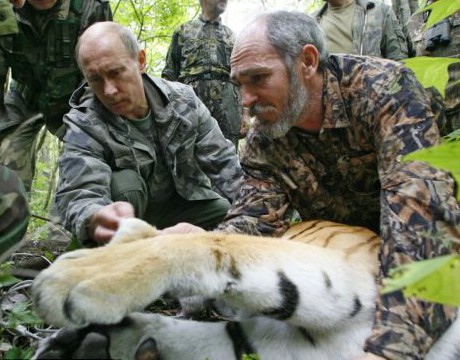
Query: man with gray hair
[328, 141]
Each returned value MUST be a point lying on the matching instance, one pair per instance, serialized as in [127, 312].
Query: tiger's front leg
[280, 279]
[102, 285]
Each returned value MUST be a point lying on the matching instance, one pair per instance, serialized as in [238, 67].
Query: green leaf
[18, 353]
[6, 279]
[444, 156]
[440, 10]
[431, 71]
[23, 315]
[434, 280]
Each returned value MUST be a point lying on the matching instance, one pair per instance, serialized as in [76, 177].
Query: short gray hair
[289, 31]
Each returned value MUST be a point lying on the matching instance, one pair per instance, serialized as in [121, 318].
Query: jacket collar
[334, 113]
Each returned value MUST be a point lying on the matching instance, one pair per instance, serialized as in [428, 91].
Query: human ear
[310, 59]
[142, 60]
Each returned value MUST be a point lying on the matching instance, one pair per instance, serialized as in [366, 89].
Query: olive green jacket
[41, 57]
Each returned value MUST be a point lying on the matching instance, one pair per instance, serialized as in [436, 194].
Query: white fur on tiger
[308, 296]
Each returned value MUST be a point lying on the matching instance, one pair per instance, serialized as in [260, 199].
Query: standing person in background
[362, 27]
[43, 75]
[199, 55]
[442, 40]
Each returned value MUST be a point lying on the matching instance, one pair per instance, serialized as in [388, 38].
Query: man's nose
[110, 88]
[248, 98]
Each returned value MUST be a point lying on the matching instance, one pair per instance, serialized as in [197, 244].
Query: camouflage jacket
[201, 162]
[197, 48]
[41, 56]
[376, 30]
[374, 112]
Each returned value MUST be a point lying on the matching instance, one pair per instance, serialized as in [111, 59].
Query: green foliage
[154, 22]
[22, 314]
[19, 353]
[250, 357]
[444, 156]
[440, 10]
[433, 280]
[431, 71]
[6, 279]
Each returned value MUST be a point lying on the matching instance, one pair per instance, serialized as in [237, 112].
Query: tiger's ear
[133, 229]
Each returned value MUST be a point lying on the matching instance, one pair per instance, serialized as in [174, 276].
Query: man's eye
[93, 80]
[257, 78]
[115, 72]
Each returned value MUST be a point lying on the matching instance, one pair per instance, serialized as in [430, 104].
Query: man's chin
[271, 130]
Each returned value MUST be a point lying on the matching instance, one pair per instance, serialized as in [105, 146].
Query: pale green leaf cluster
[445, 156]
[431, 71]
[434, 280]
[440, 10]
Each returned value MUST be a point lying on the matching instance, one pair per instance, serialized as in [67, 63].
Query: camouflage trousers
[18, 149]
[223, 101]
[20, 127]
[14, 211]
[128, 185]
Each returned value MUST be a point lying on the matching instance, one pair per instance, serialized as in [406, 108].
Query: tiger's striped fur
[309, 295]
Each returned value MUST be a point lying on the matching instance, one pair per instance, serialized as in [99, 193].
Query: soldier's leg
[128, 185]
[231, 112]
[14, 211]
[204, 213]
[18, 150]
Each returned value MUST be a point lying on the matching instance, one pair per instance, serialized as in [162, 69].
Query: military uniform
[199, 55]
[442, 40]
[183, 155]
[44, 74]
[374, 113]
[375, 31]
[14, 212]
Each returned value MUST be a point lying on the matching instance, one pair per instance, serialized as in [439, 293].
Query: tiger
[308, 295]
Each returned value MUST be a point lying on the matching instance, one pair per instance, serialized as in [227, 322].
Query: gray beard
[296, 102]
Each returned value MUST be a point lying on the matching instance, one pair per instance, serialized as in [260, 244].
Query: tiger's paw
[96, 285]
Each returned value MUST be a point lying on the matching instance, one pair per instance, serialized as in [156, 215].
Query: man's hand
[181, 228]
[105, 222]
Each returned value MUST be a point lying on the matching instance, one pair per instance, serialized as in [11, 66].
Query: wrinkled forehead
[253, 58]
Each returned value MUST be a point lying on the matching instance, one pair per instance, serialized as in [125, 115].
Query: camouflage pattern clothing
[376, 30]
[199, 55]
[44, 74]
[442, 40]
[14, 212]
[374, 113]
[199, 162]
